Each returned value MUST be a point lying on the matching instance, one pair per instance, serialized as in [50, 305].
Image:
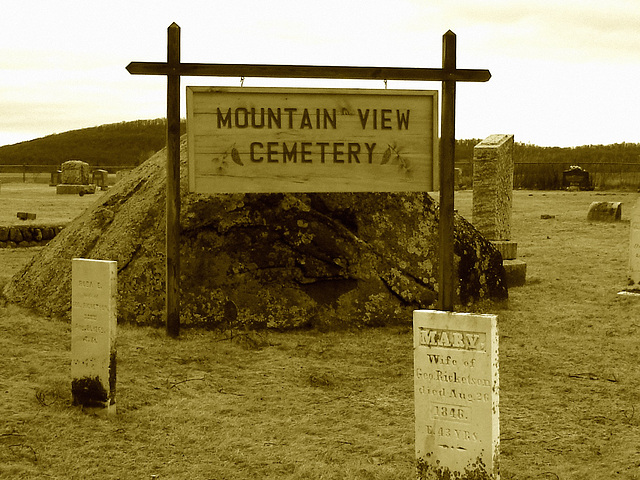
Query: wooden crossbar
[308, 71]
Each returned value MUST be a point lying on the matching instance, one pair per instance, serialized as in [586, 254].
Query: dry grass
[42, 200]
[339, 405]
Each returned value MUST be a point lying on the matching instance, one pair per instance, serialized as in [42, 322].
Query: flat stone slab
[26, 216]
[64, 189]
[629, 293]
[516, 271]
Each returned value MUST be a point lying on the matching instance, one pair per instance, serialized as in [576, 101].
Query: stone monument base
[507, 248]
[516, 271]
[75, 189]
[108, 411]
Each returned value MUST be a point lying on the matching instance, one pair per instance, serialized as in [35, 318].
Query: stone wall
[493, 186]
[27, 235]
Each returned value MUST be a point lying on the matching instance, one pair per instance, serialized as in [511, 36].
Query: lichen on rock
[284, 260]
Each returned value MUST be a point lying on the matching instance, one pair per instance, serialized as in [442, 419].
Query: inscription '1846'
[452, 339]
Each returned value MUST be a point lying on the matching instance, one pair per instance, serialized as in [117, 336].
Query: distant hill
[131, 143]
[116, 144]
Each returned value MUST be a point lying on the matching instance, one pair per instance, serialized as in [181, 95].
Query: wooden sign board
[261, 140]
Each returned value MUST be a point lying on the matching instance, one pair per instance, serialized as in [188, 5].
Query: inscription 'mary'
[452, 339]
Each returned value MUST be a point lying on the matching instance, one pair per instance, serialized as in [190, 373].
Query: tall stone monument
[93, 334]
[456, 395]
[493, 199]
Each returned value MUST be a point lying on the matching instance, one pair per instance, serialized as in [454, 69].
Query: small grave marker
[99, 178]
[93, 334]
[55, 178]
[604, 212]
[456, 394]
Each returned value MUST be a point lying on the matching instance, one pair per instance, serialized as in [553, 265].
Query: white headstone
[634, 248]
[456, 394]
[93, 334]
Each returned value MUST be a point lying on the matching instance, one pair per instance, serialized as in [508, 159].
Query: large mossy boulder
[263, 260]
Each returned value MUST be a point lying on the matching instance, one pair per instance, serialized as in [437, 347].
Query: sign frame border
[433, 94]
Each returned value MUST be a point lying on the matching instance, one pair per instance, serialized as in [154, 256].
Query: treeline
[130, 143]
[586, 154]
[116, 144]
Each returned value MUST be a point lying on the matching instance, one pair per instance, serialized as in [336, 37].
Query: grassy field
[42, 200]
[339, 405]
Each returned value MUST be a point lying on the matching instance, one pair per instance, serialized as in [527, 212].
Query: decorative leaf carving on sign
[235, 156]
[392, 154]
[386, 156]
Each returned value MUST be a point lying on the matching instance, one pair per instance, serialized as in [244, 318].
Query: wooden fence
[548, 176]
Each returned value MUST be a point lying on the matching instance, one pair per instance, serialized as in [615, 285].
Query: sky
[564, 72]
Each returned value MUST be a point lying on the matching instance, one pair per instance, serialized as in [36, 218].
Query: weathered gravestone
[75, 178]
[576, 178]
[493, 198]
[634, 248]
[604, 212]
[456, 395]
[93, 334]
[99, 177]
[75, 172]
[55, 178]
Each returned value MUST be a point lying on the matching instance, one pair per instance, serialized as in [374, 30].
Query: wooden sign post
[173, 184]
[174, 69]
[447, 164]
